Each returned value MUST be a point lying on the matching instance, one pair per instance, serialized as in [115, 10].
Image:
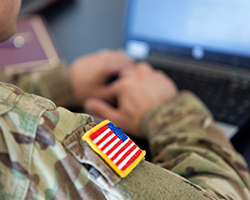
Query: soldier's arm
[34, 163]
[182, 135]
[36, 138]
[183, 138]
[71, 86]
[50, 82]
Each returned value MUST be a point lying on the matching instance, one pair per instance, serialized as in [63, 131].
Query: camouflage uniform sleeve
[42, 156]
[33, 161]
[183, 138]
[49, 82]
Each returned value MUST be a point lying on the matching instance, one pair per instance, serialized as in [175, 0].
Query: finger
[116, 60]
[162, 74]
[138, 70]
[106, 93]
[101, 109]
[115, 56]
[129, 71]
[120, 86]
[143, 66]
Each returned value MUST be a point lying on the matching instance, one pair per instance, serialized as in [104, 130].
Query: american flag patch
[116, 148]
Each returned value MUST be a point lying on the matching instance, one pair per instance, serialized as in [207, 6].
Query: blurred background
[80, 27]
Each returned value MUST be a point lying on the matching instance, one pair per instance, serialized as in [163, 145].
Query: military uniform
[42, 155]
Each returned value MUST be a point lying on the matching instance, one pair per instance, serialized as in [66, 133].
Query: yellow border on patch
[86, 137]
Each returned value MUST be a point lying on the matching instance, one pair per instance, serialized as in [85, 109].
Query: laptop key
[246, 103]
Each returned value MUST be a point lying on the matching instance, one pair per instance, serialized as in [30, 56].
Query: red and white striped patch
[117, 149]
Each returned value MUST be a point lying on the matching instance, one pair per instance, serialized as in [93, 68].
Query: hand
[137, 90]
[89, 74]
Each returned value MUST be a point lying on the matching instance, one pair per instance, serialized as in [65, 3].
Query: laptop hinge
[200, 67]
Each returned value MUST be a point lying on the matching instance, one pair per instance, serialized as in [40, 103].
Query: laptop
[204, 46]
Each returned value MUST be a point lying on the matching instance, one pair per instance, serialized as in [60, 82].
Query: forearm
[184, 139]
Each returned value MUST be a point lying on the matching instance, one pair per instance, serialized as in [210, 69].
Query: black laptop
[204, 46]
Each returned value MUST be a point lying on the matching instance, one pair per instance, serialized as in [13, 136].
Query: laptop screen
[212, 30]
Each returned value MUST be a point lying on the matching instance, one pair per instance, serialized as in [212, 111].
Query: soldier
[48, 152]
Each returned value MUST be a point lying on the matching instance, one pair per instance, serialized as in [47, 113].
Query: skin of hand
[137, 90]
[89, 74]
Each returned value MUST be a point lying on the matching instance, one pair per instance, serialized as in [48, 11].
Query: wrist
[152, 108]
[161, 116]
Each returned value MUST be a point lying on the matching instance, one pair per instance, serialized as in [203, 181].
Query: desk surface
[84, 26]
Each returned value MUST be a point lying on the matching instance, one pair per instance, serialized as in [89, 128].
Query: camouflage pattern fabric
[184, 139]
[51, 82]
[42, 156]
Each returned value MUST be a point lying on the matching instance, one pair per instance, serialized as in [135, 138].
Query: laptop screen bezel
[166, 48]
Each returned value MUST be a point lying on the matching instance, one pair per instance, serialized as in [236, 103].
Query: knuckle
[162, 74]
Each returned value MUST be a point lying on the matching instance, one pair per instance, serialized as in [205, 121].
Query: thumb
[101, 109]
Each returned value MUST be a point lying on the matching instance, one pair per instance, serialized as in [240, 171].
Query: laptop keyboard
[229, 101]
